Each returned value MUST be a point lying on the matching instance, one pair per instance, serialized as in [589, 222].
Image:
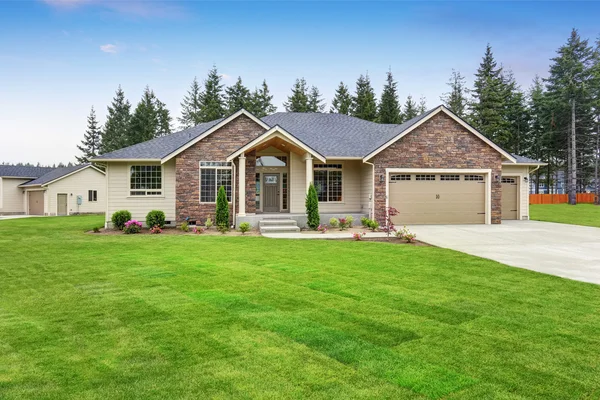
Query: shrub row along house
[435, 169]
[79, 189]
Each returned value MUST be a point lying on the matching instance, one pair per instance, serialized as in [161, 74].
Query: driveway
[569, 251]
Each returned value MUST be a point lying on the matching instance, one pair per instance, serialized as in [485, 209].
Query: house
[52, 191]
[435, 169]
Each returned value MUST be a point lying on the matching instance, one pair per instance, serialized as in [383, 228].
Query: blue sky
[60, 57]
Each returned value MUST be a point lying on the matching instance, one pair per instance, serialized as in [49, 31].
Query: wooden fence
[560, 198]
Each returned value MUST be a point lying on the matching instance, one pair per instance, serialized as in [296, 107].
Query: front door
[62, 204]
[271, 192]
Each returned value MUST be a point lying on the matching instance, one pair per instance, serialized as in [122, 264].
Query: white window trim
[140, 196]
[215, 167]
[488, 183]
[332, 169]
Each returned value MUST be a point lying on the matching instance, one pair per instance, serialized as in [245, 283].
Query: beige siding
[522, 171]
[12, 195]
[75, 185]
[351, 188]
[297, 183]
[118, 193]
[366, 187]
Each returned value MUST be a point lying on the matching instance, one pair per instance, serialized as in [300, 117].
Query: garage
[36, 202]
[438, 198]
[510, 192]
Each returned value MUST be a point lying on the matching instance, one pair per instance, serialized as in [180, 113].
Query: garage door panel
[438, 201]
[510, 190]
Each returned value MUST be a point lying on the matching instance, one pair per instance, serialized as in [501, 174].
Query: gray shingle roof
[525, 160]
[54, 174]
[161, 146]
[20, 171]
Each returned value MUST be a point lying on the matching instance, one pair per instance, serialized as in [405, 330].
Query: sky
[58, 58]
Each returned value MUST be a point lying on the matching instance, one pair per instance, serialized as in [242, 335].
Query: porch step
[278, 226]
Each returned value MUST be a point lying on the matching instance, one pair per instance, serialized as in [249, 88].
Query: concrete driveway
[569, 251]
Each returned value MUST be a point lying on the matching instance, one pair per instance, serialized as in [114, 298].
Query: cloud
[226, 77]
[136, 8]
[109, 48]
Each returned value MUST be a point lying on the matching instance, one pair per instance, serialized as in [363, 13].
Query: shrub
[198, 230]
[389, 225]
[364, 221]
[372, 224]
[222, 213]
[155, 218]
[349, 221]
[312, 208]
[155, 230]
[245, 227]
[208, 223]
[334, 222]
[322, 228]
[223, 228]
[406, 234]
[132, 226]
[343, 224]
[96, 229]
[358, 235]
[119, 218]
[185, 227]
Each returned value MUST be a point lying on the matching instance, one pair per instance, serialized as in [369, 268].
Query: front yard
[581, 214]
[86, 316]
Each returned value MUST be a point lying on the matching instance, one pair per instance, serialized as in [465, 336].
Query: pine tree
[315, 101]
[222, 209]
[364, 105]
[389, 106]
[456, 98]
[422, 107]
[237, 97]
[516, 116]
[312, 207]
[212, 102]
[191, 106]
[298, 100]
[114, 135]
[539, 144]
[164, 119]
[261, 103]
[342, 100]
[410, 109]
[487, 109]
[91, 139]
[144, 121]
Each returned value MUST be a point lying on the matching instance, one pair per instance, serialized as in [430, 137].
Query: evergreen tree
[312, 208]
[516, 116]
[389, 107]
[342, 100]
[212, 102]
[114, 135]
[237, 97]
[298, 100]
[488, 104]
[410, 109]
[261, 103]
[150, 119]
[164, 119]
[191, 106]
[315, 101]
[422, 107]
[456, 98]
[222, 208]
[91, 139]
[539, 144]
[364, 105]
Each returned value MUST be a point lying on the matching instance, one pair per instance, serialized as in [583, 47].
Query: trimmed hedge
[119, 218]
[155, 218]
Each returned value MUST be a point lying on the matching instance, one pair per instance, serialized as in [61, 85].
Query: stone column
[309, 170]
[242, 185]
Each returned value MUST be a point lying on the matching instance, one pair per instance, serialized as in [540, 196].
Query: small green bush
[119, 218]
[155, 218]
[185, 227]
[208, 223]
[364, 221]
[371, 224]
[245, 227]
[96, 229]
[312, 208]
[223, 228]
[222, 212]
[334, 222]
[349, 221]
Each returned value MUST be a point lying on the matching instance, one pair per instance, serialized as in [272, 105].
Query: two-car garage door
[434, 198]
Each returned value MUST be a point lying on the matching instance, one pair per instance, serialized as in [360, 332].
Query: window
[92, 195]
[145, 180]
[508, 180]
[258, 191]
[425, 177]
[271, 161]
[328, 182]
[213, 175]
[473, 177]
[399, 177]
[449, 177]
[284, 190]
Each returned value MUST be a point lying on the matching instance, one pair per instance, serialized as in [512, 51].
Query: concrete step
[277, 222]
[279, 229]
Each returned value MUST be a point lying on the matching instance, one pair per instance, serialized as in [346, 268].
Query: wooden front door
[271, 192]
[62, 204]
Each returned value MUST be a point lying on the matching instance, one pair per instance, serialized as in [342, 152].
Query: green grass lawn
[581, 214]
[144, 317]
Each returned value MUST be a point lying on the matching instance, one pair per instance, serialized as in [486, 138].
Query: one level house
[434, 169]
[79, 189]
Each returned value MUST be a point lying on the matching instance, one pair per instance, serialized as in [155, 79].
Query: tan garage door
[510, 188]
[36, 202]
[438, 198]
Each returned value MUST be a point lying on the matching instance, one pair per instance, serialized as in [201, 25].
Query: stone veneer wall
[440, 142]
[215, 147]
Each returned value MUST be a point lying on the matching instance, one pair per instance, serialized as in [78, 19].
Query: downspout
[372, 199]
[234, 177]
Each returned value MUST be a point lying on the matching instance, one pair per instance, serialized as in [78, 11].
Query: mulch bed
[176, 231]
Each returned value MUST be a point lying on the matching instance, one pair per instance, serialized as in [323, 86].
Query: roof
[21, 171]
[526, 160]
[55, 174]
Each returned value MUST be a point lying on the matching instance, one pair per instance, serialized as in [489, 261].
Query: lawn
[581, 214]
[145, 317]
